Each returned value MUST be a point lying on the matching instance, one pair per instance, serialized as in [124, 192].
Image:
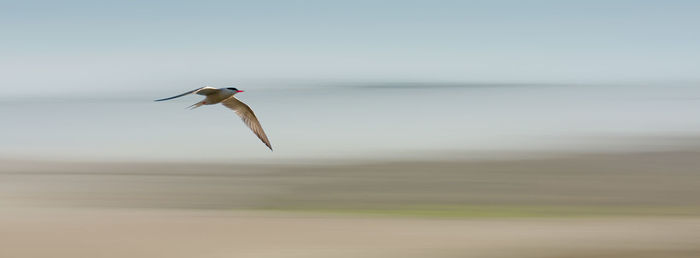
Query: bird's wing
[200, 91]
[248, 117]
[207, 91]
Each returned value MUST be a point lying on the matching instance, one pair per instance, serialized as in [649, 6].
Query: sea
[404, 120]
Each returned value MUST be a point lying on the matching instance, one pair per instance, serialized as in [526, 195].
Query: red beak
[239, 91]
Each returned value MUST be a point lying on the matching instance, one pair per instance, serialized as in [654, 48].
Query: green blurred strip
[508, 211]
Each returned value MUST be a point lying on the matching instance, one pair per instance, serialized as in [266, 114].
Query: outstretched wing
[200, 91]
[248, 117]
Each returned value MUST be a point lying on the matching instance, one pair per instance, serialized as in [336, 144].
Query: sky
[73, 47]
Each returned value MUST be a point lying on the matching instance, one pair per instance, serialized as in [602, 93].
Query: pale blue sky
[52, 46]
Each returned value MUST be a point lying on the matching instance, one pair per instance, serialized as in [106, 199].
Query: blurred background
[400, 128]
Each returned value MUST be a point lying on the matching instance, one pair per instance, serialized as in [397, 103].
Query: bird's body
[214, 96]
[225, 96]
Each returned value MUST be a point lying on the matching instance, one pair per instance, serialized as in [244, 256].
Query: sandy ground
[663, 183]
[595, 205]
[120, 233]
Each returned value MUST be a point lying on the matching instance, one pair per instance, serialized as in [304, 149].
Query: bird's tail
[196, 105]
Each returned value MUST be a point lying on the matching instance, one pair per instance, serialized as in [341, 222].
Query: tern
[225, 96]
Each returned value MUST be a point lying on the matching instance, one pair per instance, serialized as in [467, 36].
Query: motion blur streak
[401, 128]
[404, 170]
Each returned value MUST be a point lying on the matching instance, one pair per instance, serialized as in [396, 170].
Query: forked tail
[196, 105]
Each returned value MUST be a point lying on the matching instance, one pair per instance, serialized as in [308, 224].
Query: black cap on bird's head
[234, 89]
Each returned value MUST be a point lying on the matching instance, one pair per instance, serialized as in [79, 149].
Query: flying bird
[226, 98]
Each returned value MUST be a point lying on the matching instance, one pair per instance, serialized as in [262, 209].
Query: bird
[226, 97]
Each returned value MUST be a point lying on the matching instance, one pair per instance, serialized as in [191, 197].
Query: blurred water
[352, 120]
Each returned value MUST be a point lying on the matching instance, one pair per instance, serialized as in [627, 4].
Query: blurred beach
[621, 204]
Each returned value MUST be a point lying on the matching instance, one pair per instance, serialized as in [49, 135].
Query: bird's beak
[239, 91]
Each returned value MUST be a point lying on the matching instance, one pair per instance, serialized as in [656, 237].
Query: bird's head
[234, 90]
